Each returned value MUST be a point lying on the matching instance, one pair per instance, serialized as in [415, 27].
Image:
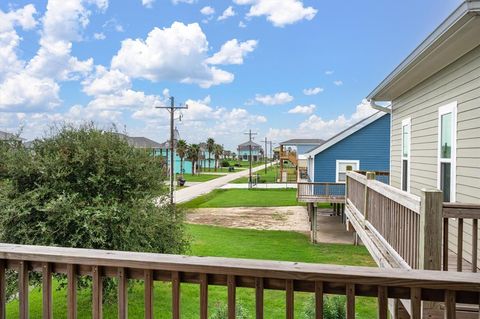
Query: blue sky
[283, 68]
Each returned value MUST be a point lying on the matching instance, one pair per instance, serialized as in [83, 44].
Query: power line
[172, 108]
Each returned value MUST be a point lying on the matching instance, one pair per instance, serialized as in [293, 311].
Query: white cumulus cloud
[207, 11]
[177, 53]
[275, 99]
[148, 3]
[279, 12]
[303, 109]
[233, 52]
[338, 82]
[229, 12]
[313, 91]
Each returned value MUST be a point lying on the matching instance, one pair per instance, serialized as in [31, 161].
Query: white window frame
[449, 108]
[405, 122]
[338, 166]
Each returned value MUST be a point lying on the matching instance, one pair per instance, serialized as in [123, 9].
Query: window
[447, 128]
[405, 158]
[342, 169]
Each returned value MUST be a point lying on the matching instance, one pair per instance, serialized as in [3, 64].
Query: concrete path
[186, 194]
[261, 185]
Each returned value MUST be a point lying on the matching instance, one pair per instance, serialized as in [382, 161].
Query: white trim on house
[449, 108]
[341, 136]
[406, 122]
[337, 166]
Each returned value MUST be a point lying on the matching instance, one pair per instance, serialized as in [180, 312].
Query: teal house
[243, 151]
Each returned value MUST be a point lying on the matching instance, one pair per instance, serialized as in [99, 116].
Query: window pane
[445, 181]
[341, 177]
[446, 136]
[406, 140]
[405, 175]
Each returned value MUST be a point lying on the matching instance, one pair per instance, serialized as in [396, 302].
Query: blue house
[364, 146]
[245, 149]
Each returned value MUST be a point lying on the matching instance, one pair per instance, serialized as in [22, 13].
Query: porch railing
[325, 192]
[462, 216]
[416, 286]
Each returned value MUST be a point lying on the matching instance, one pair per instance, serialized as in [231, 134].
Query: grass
[271, 176]
[225, 242]
[245, 164]
[245, 198]
[200, 177]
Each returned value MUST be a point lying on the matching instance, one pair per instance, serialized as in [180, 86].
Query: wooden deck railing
[458, 213]
[417, 286]
[321, 192]
[391, 215]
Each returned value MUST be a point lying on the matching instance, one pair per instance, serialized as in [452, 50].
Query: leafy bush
[225, 163]
[333, 307]
[83, 187]
[221, 312]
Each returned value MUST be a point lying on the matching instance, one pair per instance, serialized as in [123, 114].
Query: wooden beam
[47, 299]
[431, 223]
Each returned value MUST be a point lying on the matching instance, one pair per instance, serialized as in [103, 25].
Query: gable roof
[456, 36]
[303, 141]
[4, 136]
[140, 141]
[248, 143]
[345, 133]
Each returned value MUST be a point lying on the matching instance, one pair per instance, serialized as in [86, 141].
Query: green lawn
[245, 198]
[271, 176]
[200, 177]
[245, 164]
[225, 242]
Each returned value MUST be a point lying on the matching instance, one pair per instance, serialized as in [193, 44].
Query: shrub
[333, 307]
[86, 188]
[225, 163]
[221, 312]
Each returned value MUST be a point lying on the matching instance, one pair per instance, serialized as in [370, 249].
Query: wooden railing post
[370, 176]
[349, 169]
[431, 222]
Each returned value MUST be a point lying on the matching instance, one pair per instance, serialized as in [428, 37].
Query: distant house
[244, 149]
[435, 110]
[294, 151]
[363, 146]
[4, 136]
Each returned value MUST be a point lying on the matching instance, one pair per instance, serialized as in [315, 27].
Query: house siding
[460, 82]
[370, 145]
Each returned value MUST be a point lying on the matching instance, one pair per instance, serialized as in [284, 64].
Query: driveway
[186, 194]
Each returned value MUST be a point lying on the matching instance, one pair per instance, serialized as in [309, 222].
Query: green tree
[182, 148]
[193, 154]
[217, 151]
[87, 188]
[210, 149]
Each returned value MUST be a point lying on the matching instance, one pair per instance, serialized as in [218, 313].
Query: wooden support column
[370, 176]
[430, 241]
[314, 224]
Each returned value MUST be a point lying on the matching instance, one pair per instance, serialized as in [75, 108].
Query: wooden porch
[418, 286]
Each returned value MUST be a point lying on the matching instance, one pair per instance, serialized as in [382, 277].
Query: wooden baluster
[289, 308]
[416, 303]
[450, 305]
[3, 299]
[23, 290]
[319, 300]
[259, 298]
[122, 293]
[382, 302]
[47, 310]
[175, 295]
[148, 294]
[474, 245]
[203, 296]
[350, 292]
[232, 285]
[71, 291]
[445, 244]
[460, 245]
[97, 293]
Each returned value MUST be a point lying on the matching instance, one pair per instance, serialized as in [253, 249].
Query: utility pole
[265, 154]
[172, 108]
[250, 134]
[271, 151]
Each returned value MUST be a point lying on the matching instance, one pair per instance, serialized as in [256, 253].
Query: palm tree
[218, 151]
[193, 152]
[182, 148]
[210, 149]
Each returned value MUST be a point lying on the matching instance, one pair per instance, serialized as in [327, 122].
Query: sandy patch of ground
[291, 218]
